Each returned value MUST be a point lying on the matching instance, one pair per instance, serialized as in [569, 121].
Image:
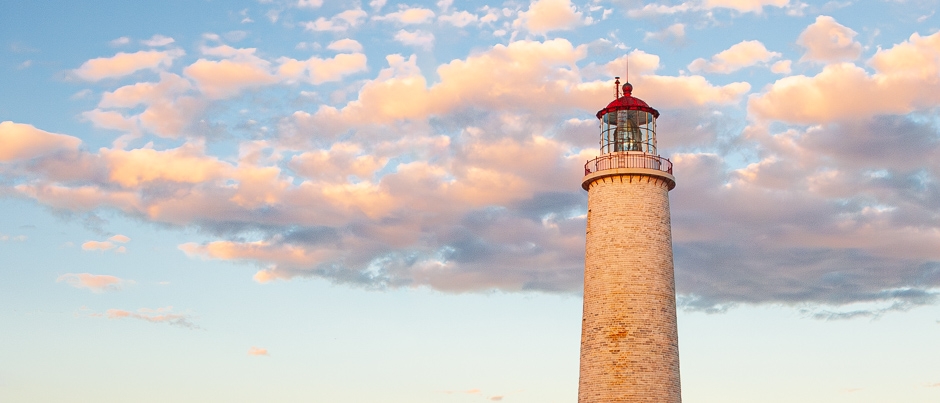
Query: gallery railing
[628, 160]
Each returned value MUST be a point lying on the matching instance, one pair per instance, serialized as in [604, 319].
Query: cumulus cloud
[107, 245]
[828, 41]
[674, 33]
[408, 16]
[97, 283]
[225, 78]
[338, 23]
[345, 45]
[905, 80]
[462, 182]
[317, 70]
[738, 56]
[23, 142]
[309, 3]
[549, 15]
[123, 64]
[418, 38]
[186, 164]
[459, 19]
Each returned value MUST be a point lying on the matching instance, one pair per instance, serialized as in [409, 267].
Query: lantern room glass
[628, 130]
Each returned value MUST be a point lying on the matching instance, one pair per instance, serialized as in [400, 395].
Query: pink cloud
[549, 15]
[123, 64]
[225, 78]
[159, 315]
[738, 56]
[828, 41]
[23, 141]
[258, 351]
[95, 282]
[186, 164]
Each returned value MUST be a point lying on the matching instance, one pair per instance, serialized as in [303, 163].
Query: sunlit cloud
[122, 64]
[97, 283]
[158, 315]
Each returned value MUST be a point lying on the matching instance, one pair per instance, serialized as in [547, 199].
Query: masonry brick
[629, 340]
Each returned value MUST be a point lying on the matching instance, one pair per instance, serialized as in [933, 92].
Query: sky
[380, 201]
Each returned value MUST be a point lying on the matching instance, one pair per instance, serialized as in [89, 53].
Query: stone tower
[629, 340]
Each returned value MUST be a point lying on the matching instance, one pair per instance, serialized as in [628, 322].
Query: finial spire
[627, 61]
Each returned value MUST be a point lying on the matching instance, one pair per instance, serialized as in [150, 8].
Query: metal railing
[628, 160]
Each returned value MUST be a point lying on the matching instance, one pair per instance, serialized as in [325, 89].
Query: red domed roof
[628, 103]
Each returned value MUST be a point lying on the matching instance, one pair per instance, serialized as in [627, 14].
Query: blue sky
[380, 202]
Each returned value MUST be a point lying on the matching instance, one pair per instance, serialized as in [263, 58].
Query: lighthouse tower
[629, 340]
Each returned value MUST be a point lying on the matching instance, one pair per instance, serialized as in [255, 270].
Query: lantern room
[627, 123]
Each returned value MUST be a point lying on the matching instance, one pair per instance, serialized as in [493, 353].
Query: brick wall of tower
[629, 341]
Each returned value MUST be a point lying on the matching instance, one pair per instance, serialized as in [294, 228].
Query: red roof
[628, 103]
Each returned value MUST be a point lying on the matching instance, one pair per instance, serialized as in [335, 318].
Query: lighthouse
[629, 339]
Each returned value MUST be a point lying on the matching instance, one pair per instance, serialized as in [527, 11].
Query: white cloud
[345, 45]
[120, 41]
[417, 38]
[338, 23]
[158, 41]
[459, 19]
[674, 33]
[309, 3]
[408, 16]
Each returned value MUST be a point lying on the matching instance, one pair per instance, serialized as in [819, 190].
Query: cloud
[738, 56]
[97, 283]
[318, 71]
[107, 245]
[345, 45]
[408, 16]
[782, 67]
[745, 6]
[23, 142]
[158, 41]
[549, 15]
[674, 33]
[309, 3]
[123, 64]
[827, 41]
[905, 80]
[258, 351]
[186, 164]
[120, 238]
[418, 38]
[159, 315]
[459, 19]
[225, 78]
[14, 238]
[338, 23]
[120, 41]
